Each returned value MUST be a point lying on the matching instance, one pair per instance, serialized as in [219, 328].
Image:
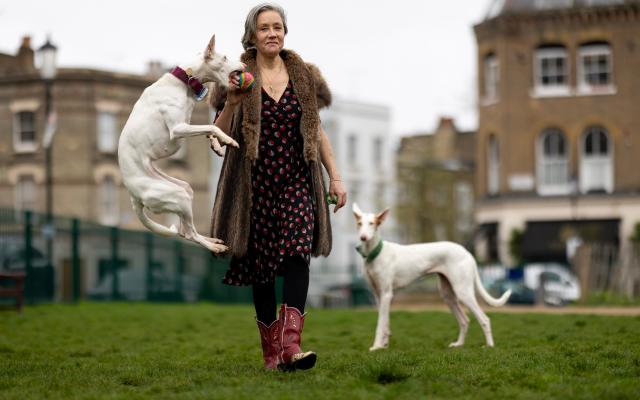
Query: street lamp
[48, 73]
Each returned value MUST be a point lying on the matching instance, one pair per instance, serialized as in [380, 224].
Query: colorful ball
[246, 80]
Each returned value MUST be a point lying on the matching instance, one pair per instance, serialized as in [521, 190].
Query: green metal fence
[92, 261]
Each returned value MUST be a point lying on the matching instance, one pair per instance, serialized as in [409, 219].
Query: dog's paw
[232, 143]
[218, 248]
[455, 344]
[374, 348]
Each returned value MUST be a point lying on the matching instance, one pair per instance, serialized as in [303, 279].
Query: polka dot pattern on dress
[282, 214]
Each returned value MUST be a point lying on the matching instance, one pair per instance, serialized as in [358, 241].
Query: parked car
[552, 283]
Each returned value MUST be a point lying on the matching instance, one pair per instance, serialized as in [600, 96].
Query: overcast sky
[415, 56]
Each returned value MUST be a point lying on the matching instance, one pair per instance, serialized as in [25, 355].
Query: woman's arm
[234, 97]
[336, 186]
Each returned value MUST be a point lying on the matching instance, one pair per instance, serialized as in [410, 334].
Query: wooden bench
[16, 291]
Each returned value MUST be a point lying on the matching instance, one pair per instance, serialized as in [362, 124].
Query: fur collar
[302, 78]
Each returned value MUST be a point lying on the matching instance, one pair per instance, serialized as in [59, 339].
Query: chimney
[155, 69]
[25, 56]
[26, 42]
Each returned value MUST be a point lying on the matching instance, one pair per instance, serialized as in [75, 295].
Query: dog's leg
[468, 298]
[168, 197]
[451, 300]
[163, 175]
[189, 231]
[381, 340]
[183, 130]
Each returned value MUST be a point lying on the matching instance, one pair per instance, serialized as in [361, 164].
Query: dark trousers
[294, 291]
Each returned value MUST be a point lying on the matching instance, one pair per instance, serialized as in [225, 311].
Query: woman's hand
[234, 94]
[337, 190]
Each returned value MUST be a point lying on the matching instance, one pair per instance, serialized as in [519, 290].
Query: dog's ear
[380, 217]
[211, 48]
[356, 211]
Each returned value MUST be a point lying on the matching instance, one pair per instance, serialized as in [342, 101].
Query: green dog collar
[374, 253]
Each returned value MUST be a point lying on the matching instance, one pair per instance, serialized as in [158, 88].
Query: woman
[271, 208]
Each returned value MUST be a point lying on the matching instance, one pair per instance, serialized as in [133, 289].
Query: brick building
[436, 179]
[92, 107]
[559, 125]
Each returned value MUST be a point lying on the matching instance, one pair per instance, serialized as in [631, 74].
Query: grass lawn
[207, 351]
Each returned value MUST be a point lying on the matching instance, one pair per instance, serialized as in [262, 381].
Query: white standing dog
[159, 121]
[389, 266]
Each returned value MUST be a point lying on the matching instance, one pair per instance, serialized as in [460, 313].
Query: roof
[502, 7]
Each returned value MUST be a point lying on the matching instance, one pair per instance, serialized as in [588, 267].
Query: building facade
[360, 134]
[435, 174]
[91, 107]
[559, 128]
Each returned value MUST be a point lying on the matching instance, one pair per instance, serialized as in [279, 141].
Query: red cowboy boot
[291, 357]
[269, 336]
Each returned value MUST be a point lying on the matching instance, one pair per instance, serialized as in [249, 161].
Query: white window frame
[591, 50]
[26, 193]
[493, 165]
[107, 131]
[352, 149]
[541, 89]
[549, 167]
[491, 79]
[108, 200]
[596, 169]
[464, 206]
[377, 152]
[16, 107]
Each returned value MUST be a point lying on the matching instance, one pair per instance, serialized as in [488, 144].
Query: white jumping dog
[389, 266]
[159, 121]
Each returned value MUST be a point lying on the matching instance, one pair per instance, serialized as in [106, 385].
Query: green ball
[332, 199]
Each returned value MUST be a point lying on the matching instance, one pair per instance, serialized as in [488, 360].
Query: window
[596, 161]
[377, 153]
[354, 193]
[552, 4]
[107, 133]
[25, 193]
[493, 166]
[491, 78]
[464, 206]
[25, 131]
[553, 163]
[380, 201]
[108, 201]
[352, 149]
[551, 71]
[595, 68]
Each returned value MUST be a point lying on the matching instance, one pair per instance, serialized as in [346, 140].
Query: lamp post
[48, 73]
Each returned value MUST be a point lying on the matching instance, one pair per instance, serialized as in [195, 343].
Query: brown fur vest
[231, 216]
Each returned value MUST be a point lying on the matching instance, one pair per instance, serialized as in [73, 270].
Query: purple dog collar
[199, 90]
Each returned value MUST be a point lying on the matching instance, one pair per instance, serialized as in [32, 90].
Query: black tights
[294, 291]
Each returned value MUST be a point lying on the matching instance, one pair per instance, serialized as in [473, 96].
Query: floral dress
[282, 213]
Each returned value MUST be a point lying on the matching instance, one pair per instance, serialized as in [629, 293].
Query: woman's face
[270, 33]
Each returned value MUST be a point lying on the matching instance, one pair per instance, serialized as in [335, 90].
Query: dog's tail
[150, 224]
[487, 297]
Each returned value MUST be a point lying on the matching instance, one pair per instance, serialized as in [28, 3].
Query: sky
[417, 57]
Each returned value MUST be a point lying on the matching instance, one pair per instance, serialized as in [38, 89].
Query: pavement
[432, 302]
[631, 311]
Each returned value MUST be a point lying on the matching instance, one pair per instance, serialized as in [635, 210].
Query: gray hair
[251, 24]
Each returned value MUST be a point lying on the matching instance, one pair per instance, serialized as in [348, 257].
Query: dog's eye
[371, 223]
[225, 58]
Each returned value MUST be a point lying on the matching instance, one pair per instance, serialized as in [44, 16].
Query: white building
[364, 150]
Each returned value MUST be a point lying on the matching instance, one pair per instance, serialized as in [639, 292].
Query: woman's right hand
[234, 94]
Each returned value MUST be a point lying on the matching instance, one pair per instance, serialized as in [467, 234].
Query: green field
[207, 351]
